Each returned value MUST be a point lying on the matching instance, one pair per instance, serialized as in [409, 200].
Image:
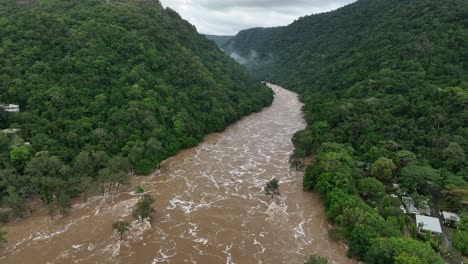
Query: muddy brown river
[210, 207]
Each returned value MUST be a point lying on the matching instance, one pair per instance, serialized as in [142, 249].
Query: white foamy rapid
[210, 207]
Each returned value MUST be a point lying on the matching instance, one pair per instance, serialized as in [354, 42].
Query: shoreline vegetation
[385, 89]
[105, 88]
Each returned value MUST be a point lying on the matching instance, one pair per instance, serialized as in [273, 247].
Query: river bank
[210, 207]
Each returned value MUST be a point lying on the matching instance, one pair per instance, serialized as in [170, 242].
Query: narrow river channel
[210, 207]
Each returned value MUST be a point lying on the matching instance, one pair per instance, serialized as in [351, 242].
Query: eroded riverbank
[210, 207]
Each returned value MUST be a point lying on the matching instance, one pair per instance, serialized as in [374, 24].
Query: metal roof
[451, 216]
[430, 223]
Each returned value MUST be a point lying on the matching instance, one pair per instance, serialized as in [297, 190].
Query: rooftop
[451, 216]
[429, 223]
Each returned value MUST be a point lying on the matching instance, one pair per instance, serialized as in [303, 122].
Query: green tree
[64, 202]
[406, 258]
[454, 155]
[329, 181]
[4, 142]
[460, 236]
[121, 178]
[383, 169]
[315, 259]
[272, 188]
[404, 157]
[139, 190]
[121, 227]
[45, 166]
[455, 196]
[420, 178]
[3, 239]
[19, 156]
[143, 208]
[47, 188]
[103, 178]
[51, 210]
[83, 184]
[15, 202]
[385, 250]
[371, 188]
[4, 217]
[83, 165]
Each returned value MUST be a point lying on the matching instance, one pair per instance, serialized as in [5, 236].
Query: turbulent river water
[210, 207]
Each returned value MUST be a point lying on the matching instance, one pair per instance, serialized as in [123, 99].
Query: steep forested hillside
[385, 86]
[104, 87]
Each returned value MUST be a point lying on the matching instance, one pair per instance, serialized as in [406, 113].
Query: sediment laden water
[210, 207]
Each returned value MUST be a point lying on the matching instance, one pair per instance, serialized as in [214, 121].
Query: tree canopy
[385, 87]
[106, 88]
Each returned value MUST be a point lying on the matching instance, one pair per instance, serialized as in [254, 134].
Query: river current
[210, 207]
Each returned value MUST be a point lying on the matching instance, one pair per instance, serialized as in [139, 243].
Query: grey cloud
[227, 17]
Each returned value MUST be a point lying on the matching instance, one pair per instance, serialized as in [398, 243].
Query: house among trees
[11, 108]
[450, 219]
[427, 224]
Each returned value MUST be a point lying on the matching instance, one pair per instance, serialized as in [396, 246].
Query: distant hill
[219, 40]
[383, 82]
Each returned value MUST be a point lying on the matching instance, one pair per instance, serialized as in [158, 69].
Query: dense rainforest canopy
[385, 87]
[105, 87]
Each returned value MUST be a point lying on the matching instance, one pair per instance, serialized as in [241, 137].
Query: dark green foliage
[375, 71]
[64, 202]
[139, 190]
[371, 188]
[386, 250]
[272, 188]
[144, 167]
[389, 81]
[121, 227]
[404, 157]
[460, 236]
[143, 209]
[107, 88]
[3, 239]
[420, 178]
[4, 217]
[15, 202]
[315, 259]
[383, 169]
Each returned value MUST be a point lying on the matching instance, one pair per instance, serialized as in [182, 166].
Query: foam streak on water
[210, 207]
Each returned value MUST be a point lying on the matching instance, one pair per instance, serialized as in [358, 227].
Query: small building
[427, 224]
[11, 108]
[450, 219]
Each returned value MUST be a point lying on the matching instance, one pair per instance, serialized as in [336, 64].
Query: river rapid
[210, 207]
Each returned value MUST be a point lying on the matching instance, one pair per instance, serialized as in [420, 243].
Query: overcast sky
[227, 17]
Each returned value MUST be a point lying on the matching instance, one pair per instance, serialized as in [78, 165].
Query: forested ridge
[104, 88]
[219, 40]
[385, 87]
